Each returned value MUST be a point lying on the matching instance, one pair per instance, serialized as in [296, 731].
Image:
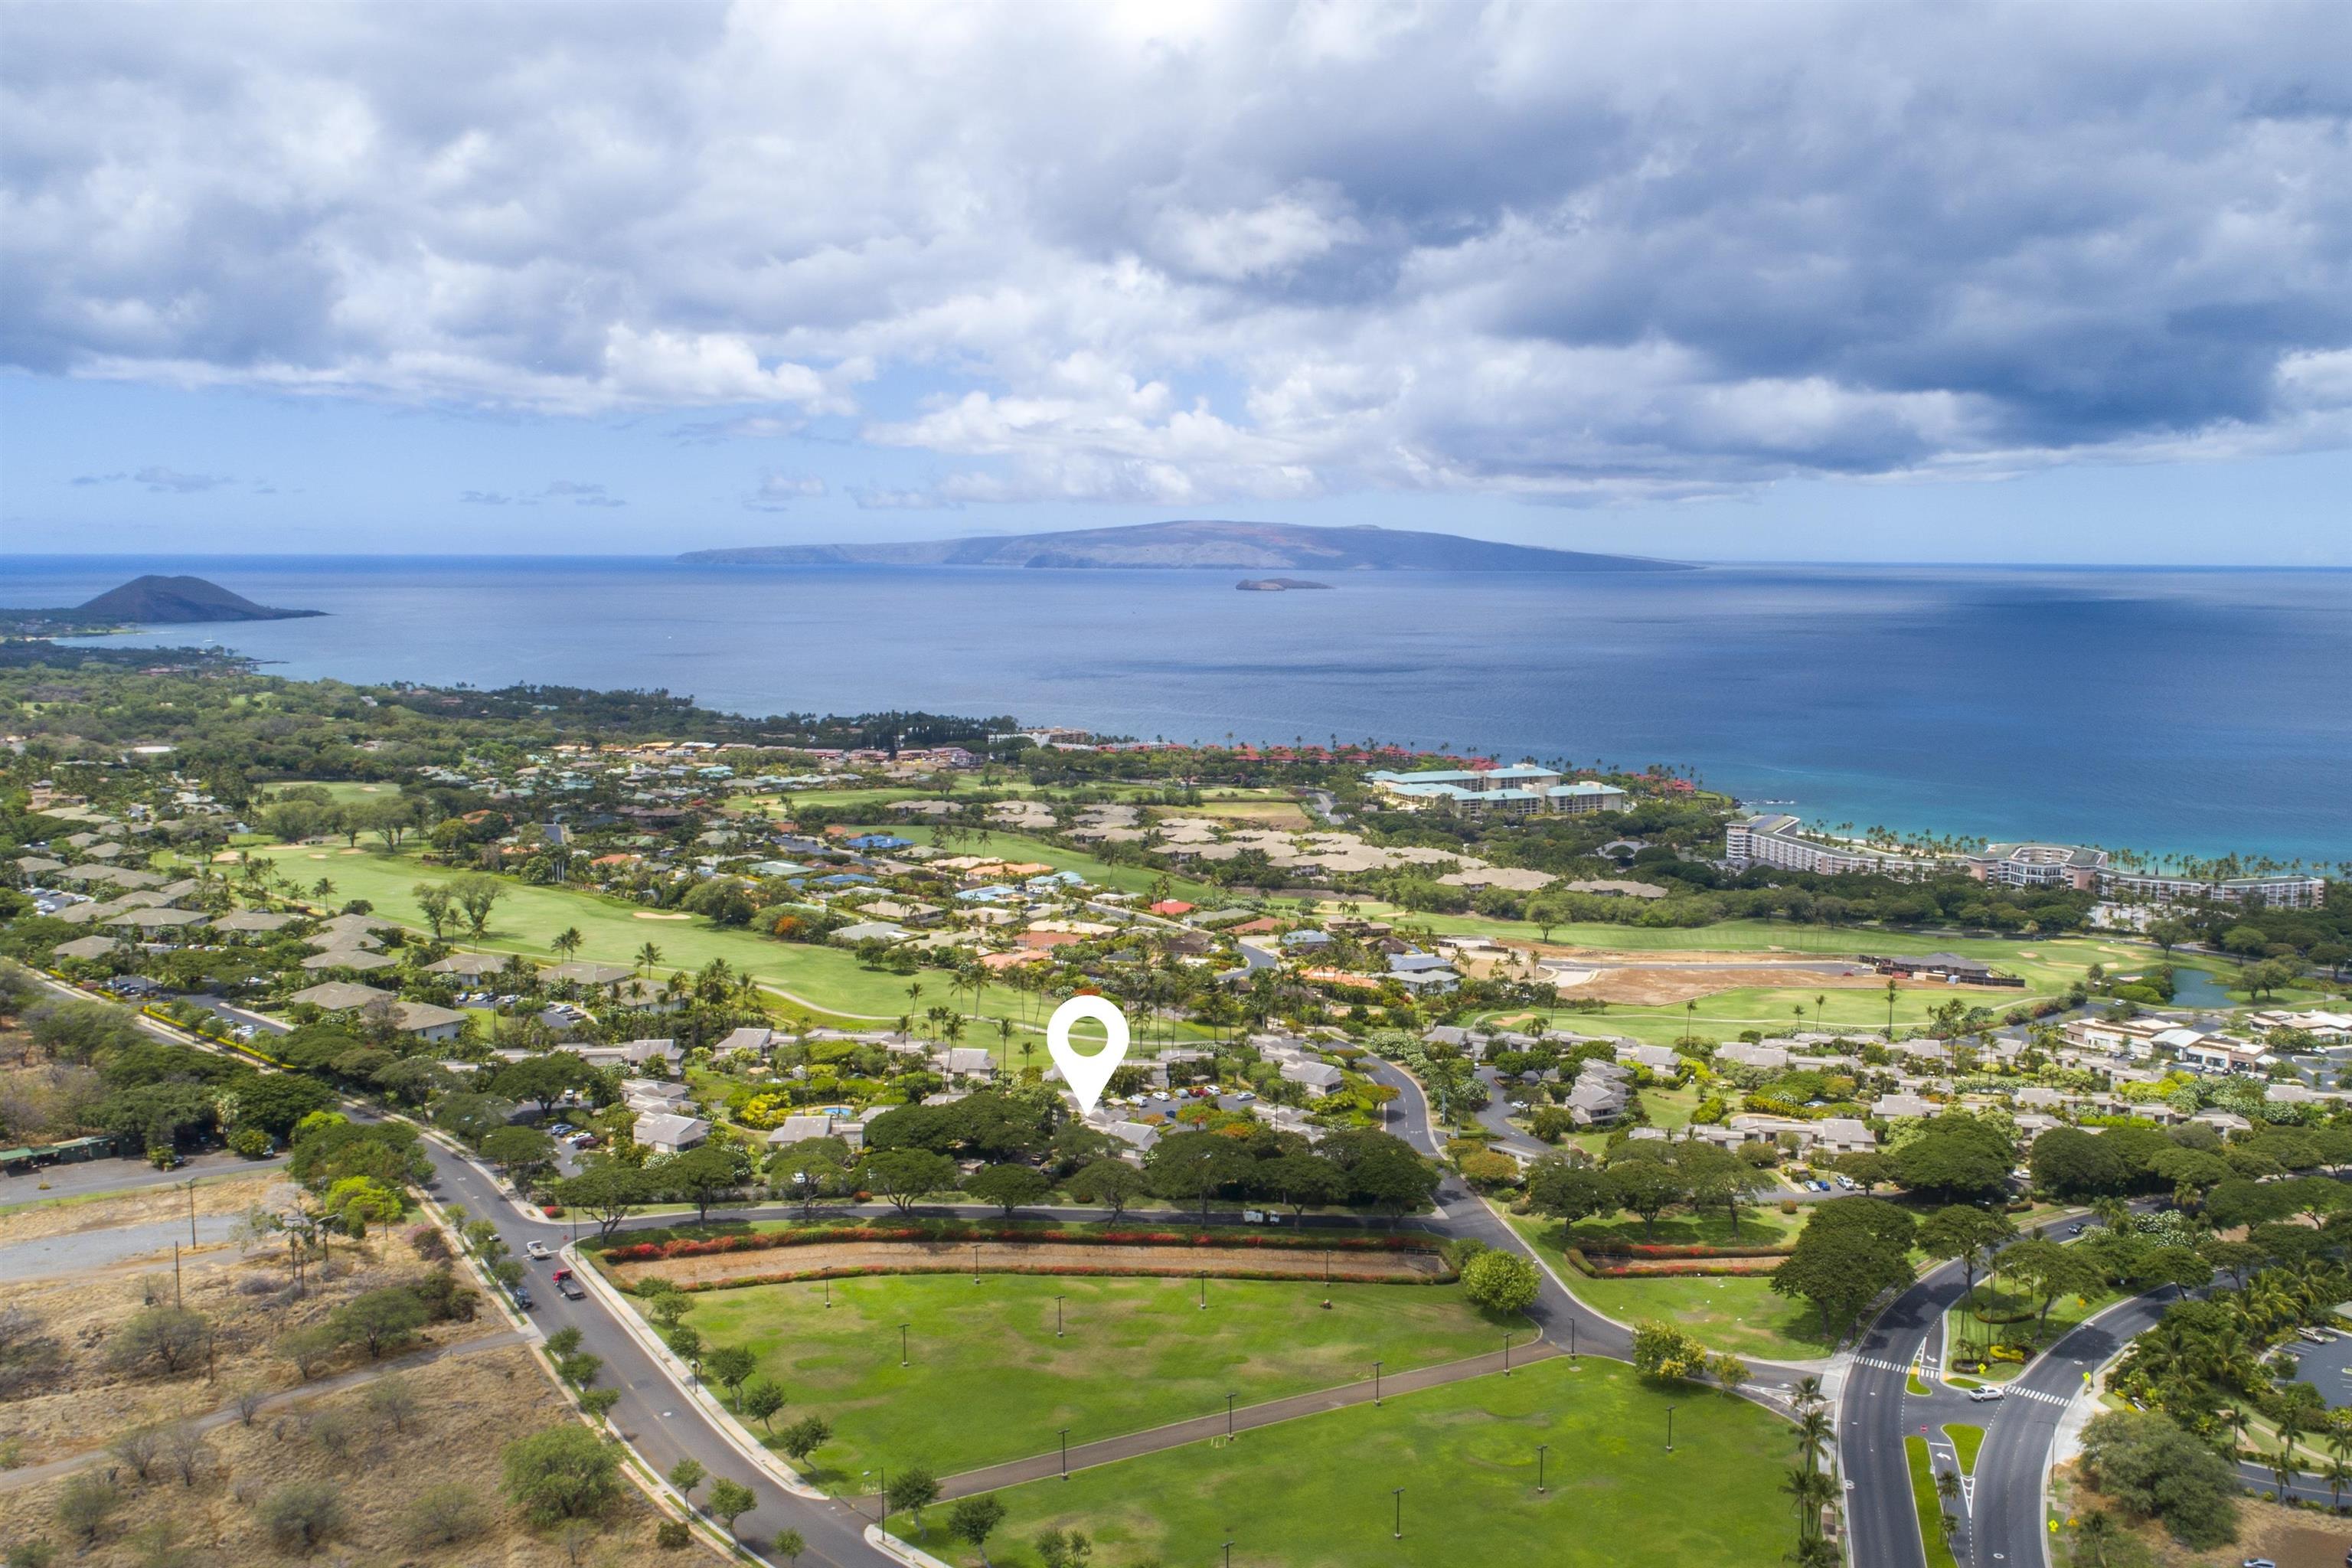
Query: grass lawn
[342, 792]
[1316, 1492]
[1683, 1228]
[1966, 1441]
[1727, 1313]
[991, 1381]
[826, 979]
[1931, 1507]
[2065, 1313]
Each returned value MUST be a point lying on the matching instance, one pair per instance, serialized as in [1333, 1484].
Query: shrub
[565, 1472]
[671, 1534]
[303, 1515]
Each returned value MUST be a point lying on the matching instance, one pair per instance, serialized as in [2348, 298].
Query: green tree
[2157, 1470]
[761, 1401]
[379, 1320]
[1007, 1186]
[729, 1501]
[85, 1502]
[303, 1515]
[806, 1436]
[565, 1472]
[477, 895]
[913, 1488]
[1648, 1187]
[903, 1176]
[687, 1475]
[166, 1339]
[1843, 1258]
[975, 1518]
[701, 1177]
[1108, 1183]
[607, 1191]
[1500, 1281]
[730, 1367]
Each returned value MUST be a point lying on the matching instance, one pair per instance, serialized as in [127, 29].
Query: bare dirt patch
[1652, 985]
[661, 915]
[467, 1411]
[2291, 1537]
[1000, 1257]
[67, 1217]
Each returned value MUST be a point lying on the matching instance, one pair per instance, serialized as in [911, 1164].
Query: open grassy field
[1738, 1314]
[829, 981]
[342, 792]
[990, 1381]
[1318, 1492]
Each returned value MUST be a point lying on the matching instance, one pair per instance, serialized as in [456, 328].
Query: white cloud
[1183, 254]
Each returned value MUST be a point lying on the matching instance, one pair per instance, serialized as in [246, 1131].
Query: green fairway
[1318, 1492]
[1735, 1313]
[342, 792]
[827, 979]
[990, 1382]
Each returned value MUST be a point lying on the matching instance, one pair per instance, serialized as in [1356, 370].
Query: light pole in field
[1229, 1417]
[1670, 1428]
[1397, 1493]
[1057, 1317]
[1375, 1383]
[1065, 1453]
[1541, 1449]
[902, 1344]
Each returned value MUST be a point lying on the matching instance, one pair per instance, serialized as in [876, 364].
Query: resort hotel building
[1519, 789]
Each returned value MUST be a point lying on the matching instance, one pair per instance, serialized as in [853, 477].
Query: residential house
[666, 1133]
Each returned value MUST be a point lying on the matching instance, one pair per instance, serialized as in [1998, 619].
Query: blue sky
[1956, 283]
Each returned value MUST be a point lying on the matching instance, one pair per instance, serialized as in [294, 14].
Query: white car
[538, 1249]
[1987, 1395]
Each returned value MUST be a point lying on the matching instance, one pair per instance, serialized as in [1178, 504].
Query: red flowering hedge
[944, 1265]
[1745, 1263]
[1612, 1247]
[768, 1240]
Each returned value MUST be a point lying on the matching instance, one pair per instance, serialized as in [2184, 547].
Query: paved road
[94, 1177]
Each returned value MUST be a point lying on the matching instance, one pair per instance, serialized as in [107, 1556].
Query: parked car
[537, 1250]
[570, 1289]
[1988, 1395]
[522, 1298]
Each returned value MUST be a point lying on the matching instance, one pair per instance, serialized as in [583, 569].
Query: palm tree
[566, 942]
[2339, 1475]
[1004, 1044]
[648, 957]
[1891, 989]
[2099, 1531]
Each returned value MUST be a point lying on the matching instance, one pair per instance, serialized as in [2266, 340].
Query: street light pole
[1541, 1449]
[1065, 1453]
[1571, 1338]
[1507, 1356]
[1375, 1383]
[828, 1292]
[1205, 1290]
[1670, 1428]
[1229, 1417]
[1057, 1317]
[902, 1344]
[1398, 1494]
[975, 1263]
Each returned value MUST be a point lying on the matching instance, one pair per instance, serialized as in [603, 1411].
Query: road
[92, 1177]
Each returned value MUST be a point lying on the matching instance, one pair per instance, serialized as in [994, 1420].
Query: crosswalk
[1883, 1364]
[2038, 1393]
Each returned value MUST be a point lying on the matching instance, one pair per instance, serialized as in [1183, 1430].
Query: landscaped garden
[1320, 1492]
[988, 1379]
[1993, 1315]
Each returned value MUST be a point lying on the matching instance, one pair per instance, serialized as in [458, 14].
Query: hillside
[180, 601]
[1204, 544]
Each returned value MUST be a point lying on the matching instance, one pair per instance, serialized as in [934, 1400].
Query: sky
[1880, 282]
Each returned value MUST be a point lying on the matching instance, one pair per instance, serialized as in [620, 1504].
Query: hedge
[1745, 1264]
[1609, 1247]
[768, 1240]
[944, 1265]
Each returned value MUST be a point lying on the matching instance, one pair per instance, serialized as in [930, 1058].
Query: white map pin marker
[1085, 1074]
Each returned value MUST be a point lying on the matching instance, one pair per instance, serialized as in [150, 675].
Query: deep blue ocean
[2177, 712]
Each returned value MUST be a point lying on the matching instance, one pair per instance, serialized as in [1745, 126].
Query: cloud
[484, 498]
[579, 492]
[776, 491]
[1187, 255]
[161, 480]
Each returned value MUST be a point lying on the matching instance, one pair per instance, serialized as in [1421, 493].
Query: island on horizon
[1199, 544]
[1276, 585]
[151, 600]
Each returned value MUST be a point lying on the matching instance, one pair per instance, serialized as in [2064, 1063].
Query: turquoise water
[2166, 710]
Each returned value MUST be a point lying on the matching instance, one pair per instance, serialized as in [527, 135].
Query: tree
[729, 1501]
[761, 1401]
[807, 1171]
[1957, 1159]
[788, 1545]
[1871, 1170]
[2068, 1163]
[436, 904]
[687, 1475]
[701, 1177]
[608, 1191]
[523, 1153]
[85, 1502]
[1571, 1192]
[303, 1515]
[1665, 1350]
[379, 1320]
[904, 1175]
[477, 895]
[1109, 1183]
[912, 1489]
[544, 1079]
[1501, 1283]
[1648, 1186]
[1968, 1236]
[446, 1514]
[1713, 1175]
[169, 1338]
[1007, 1186]
[565, 1472]
[806, 1436]
[392, 1400]
[566, 943]
[730, 1367]
[1844, 1257]
[2156, 1469]
[1065, 1548]
[975, 1519]
[2049, 1271]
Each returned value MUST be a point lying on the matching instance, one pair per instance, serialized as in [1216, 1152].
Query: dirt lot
[467, 1411]
[59, 1396]
[949, 1256]
[65, 1217]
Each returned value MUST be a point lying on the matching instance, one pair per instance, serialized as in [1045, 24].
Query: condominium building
[1520, 789]
[2039, 866]
[1778, 839]
[2278, 891]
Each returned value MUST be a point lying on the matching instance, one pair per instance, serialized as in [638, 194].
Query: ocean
[2195, 712]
